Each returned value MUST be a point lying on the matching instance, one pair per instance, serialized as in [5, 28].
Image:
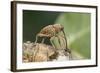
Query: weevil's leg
[43, 40]
[59, 40]
[62, 41]
[51, 41]
[70, 55]
[36, 39]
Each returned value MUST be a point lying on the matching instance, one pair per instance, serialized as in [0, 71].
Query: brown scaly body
[50, 30]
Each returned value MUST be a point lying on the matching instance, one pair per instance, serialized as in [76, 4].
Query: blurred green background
[76, 26]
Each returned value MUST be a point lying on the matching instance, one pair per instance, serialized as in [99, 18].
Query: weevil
[52, 31]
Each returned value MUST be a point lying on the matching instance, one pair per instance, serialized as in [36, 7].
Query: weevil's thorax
[58, 27]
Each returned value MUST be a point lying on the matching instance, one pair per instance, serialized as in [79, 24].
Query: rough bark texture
[38, 52]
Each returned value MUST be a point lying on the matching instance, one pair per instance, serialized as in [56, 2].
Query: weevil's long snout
[65, 38]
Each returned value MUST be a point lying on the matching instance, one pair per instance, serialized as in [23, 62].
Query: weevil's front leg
[68, 52]
[70, 56]
[52, 43]
[65, 38]
[61, 41]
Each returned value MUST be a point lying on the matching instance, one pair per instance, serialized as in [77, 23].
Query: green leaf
[77, 29]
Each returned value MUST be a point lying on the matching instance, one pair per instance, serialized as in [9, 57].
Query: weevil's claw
[68, 53]
[68, 50]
